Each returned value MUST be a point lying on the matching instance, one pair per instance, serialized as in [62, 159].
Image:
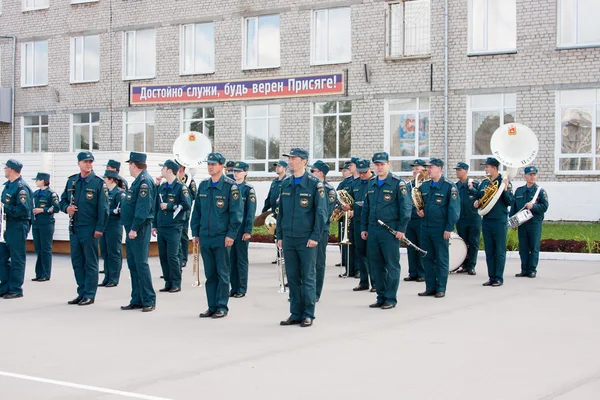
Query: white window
[29, 5]
[139, 54]
[197, 51]
[406, 132]
[261, 36]
[578, 131]
[86, 131]
[331, 133]
[492, 26]
[199, 120]
[139, 131]
[331, 36]
[408, 23]
[578, 23]
[35, 134]
[34, 63]
[85, 59]
[485, 114]
[260, 147]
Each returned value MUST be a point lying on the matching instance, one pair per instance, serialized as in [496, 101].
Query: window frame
[558, 132]
[313, 34]
[90, 125]
[470, 50]
[474, 170]
[268, 160]
[388, 33]
[336, 161]
[245, 66]
[204, 119]
[145, 122]
[33, 8]
[39, 126]
[25, 61]
[182, 50]
[388, 131]
[124, 57]
[73, 62]
[575, 28]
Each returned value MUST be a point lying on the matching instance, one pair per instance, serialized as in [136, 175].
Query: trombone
[196, 267]
[281, 270]
[345, 200]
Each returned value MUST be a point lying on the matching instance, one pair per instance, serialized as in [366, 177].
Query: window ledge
[32, 86]
[260, 68]
[75, 2]
[196, 73]
[490, 53]
[79, 82]
[577, 46]
[137, 78]
[317, 63]
[35, 9]
[577, 173]
[402, 58]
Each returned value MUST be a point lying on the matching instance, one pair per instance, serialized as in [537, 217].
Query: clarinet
[72, 216]
[404, 240]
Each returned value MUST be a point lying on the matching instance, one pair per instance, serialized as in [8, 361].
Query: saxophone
[416, 195]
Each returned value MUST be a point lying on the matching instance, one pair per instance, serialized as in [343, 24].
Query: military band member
[85, 199]
[229, 167]
[387, 200]
[171, 204]
[137, 213]
[111, 243]
[320, 170]
[346, 185]
[45, 203]
[113, 165]
[530, 233]
[345, 174]
[16, 198]
[469, 223]
[416, 270]
[441, 209]
[300, 222]
[185, 239]
[359, 190]
[494, 223]
[239, 250]
[216, 219]
[275, 189]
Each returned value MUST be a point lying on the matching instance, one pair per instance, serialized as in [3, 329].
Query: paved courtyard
[531, 339]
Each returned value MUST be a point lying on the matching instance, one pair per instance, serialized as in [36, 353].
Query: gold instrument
[260, 220]
[416, 195]
[490, 193]
[345, 200]
[3, 222]
[281, 271]
[196, 267]
[271, 224]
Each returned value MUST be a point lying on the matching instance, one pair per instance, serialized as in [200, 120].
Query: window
[408, 24]
[34, 63]
[261, 137]
[199, 120]
[578, 131]
[578, 22]
[197, 49]
[492, 26]
[85, 59]
[139, 131]
[407, 132]
[331, 36]
[261, 42]
[35, 134]
[29, 5]
[331, 133]
[86, 131]
[485, 114]
[139, 54]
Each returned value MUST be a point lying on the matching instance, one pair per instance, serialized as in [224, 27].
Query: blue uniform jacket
[441, 204]
[358, 193]
[468, 213]
[90, 197]
[389, 203]
[48, 200]
[331, 202]
[249, 205]
[138, 206]
[524, 195]
[273, 196]
[176, 195]
[17, 200]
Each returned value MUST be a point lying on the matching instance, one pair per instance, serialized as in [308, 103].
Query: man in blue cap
[239, 250]
[273, 196]
[320, 170]
[535, 199]
[188, 181]
[137, 213]
[416, 270]
[469, 223]
[387, 200]
[300, 222]
[359, 191]
[494, 224]
[45, 205]
[441, 209]
[172, 202]
[348, 250]
[85, 199]
[17, 205]
[216, 219]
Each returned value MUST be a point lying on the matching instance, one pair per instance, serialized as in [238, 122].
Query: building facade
[535, 62]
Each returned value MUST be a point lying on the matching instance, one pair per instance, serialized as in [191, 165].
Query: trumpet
[281, 270]
[196, 267]
[404, 240]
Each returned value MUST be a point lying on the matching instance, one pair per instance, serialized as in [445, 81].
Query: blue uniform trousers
[217, 268]
[12, 257]
[415, 260]
[470, 232]
[185, 242]
[300, 267]
[84, 257]
[530, 235]
[239, 264]
[494, 243]
[142, 292]
[111, 248]
[42, 243]
[321, 261]
[436, 261]
[383, 251]
[169, 246]
[361, 261]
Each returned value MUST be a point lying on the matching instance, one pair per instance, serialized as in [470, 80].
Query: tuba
[416, 195]
[515, 146]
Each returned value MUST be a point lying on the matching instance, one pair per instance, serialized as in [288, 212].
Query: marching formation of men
[380, 211]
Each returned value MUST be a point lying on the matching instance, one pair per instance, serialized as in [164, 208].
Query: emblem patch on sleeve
[454, 193]
[143, 190]
[185, 192]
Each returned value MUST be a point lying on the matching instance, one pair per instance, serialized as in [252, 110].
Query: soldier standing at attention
[111, 243]
[85, 199]
[185, 239]
[274, 190]
[469, 223]
[416, 270]
[45, 203]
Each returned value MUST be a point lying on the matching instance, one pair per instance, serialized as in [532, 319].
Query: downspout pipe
[12, 100]
[446, 87]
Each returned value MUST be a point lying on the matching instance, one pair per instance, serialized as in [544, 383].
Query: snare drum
[458, 251]
[519, 218]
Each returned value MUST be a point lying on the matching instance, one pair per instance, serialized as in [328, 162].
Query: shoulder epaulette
[72, 176]
[249, 185]
[313, 177]
[448, 181]
[230, 181]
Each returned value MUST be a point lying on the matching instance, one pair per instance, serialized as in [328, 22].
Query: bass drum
[458, 251]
